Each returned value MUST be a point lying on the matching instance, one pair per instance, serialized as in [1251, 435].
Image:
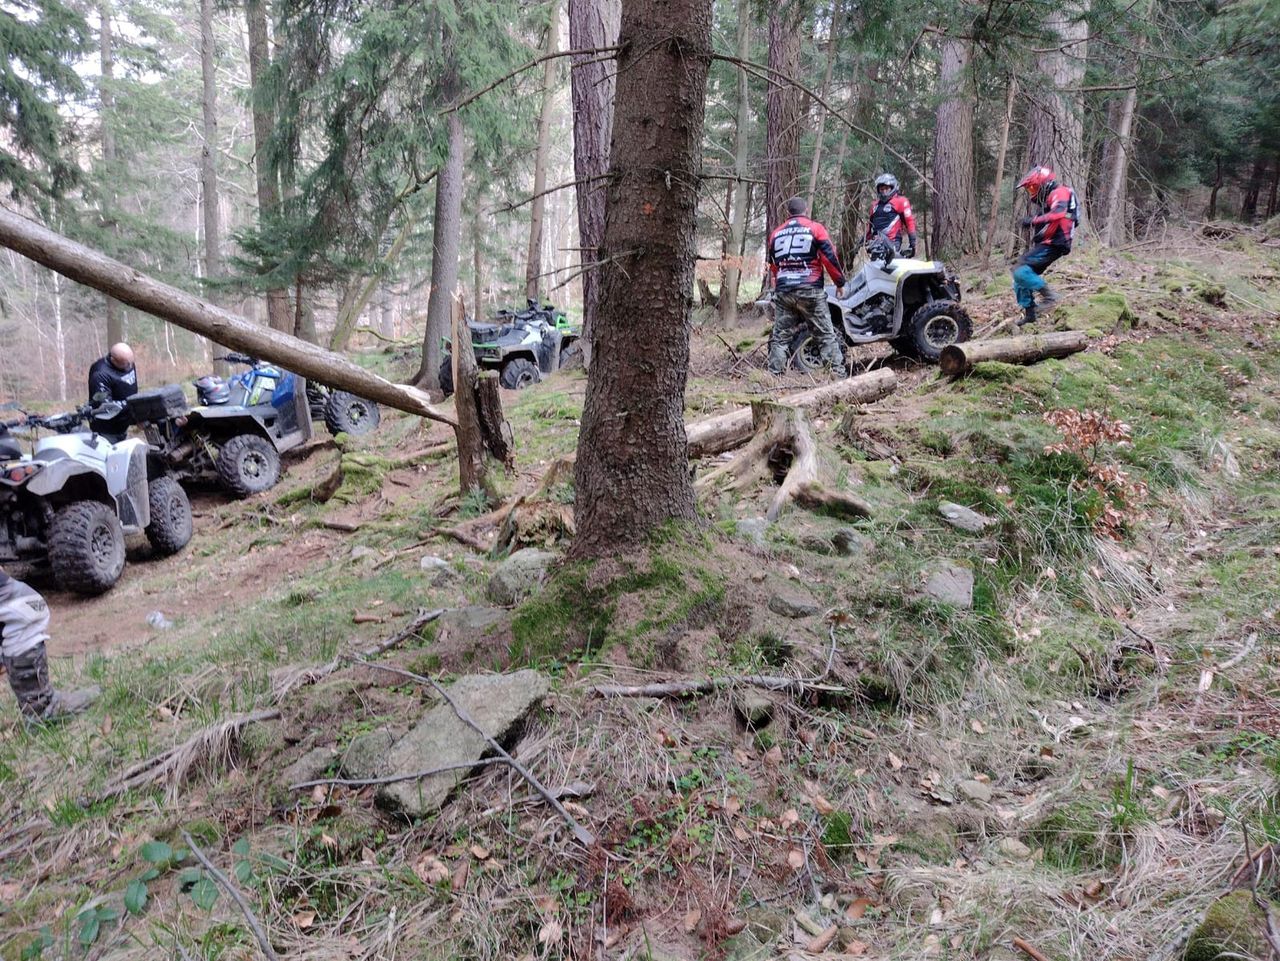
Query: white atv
[913, 304]
[72, 501]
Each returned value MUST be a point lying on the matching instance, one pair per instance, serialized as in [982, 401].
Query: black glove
[1027, 221]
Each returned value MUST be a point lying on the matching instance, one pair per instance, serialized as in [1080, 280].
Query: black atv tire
[571, 358]
[905, 346]
[519, 373]
[170, 527]
[805, 352]
[446, 375]
[86, 547]
[937, 326]
[248, 464]
[345, 413]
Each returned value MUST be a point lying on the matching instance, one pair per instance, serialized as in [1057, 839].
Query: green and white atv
[523, 347]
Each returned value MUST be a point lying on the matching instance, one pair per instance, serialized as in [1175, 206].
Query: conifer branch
[529, 66]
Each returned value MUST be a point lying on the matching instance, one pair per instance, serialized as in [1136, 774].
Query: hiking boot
[1028, 316]
[37, 699]
[1048, 298]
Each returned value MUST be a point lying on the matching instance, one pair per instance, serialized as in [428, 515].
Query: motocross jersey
[890, 216]
[118, 384]
[1057, 221]
[798, 251]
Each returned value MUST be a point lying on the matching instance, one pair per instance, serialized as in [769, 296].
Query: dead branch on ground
[225, 883]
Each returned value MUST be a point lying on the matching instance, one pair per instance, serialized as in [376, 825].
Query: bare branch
[225, 882]
[529, 66]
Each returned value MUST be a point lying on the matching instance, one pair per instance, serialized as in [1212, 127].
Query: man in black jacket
[114, 374]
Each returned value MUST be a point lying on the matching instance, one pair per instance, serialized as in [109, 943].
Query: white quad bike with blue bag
[914, 304]
[71, 502]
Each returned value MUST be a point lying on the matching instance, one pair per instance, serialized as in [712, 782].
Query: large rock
[790, 603]
[309, 767]
[366, 755]
[468, 622]
[496, 702]
[975, 791]
[848, 542]
[519, 576]
[964, 518]
[951, 584]
[1233, 927]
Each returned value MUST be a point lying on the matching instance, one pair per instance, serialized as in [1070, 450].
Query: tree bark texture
[211, 207]
[1055, 118]
[1212, 212]
[739, 190]
[136, 289]
[592, 24]
[632, 469]
[533, 264]
[862, 100]
[1253, 190]
[784, 116]
[267, 176]
[107, 97]
[955, 214]
[993, 217]
[815, 163]
[446, 240]
[1275, 187]
[959, 359]
[482, 430]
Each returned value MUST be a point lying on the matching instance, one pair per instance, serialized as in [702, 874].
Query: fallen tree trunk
[958, 359]
[130, 286]
[714, 435]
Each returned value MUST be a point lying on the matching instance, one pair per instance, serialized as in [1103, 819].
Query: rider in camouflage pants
[802, 309]
[799, 251]
[24, 628]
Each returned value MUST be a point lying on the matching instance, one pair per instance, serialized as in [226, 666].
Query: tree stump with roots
[783, 451]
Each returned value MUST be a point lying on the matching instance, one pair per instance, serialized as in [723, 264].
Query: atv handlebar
[238, 359]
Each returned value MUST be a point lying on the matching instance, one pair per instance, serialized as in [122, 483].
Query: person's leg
[818, 316]
[786, 320]
[24, 621]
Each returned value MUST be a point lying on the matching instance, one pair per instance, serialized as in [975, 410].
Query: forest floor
[1078, 754]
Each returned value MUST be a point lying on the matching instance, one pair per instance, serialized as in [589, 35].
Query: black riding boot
[37, 699]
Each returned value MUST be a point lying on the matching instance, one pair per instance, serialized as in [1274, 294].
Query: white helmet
[887, 180]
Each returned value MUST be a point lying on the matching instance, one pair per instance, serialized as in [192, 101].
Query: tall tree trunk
[59, 335]
[1114, 223]
[211, 218]
[446, 240]
[816, 163]
[533, 265]
[592, 24]
[741, 145]
[1212, 213]
[1055, 121]
[1275, 187]
[862, 100]
[993, 218]
[268, 177]
[632, 469]
[1253, 191]
[784, 113]
[477, 286]
[955, 214]
[107, 96]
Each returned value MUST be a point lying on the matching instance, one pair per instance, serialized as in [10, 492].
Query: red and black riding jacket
[890, 216]
[799, 250]
[1056, 223]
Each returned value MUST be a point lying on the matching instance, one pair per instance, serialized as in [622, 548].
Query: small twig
[1029, 951]
[515, 205]
[236, 896]
[529, 65]
[707, 685]
[397, 778]
[581, 834]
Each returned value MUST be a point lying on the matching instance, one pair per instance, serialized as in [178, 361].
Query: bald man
[114, 374]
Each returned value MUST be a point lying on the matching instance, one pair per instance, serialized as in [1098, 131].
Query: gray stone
[793, 604]
[437, 568]
[309, 767]
[360, 552]
[519, 576]
[1013, 848]
[366, 755]
[496, 702]
[472, 621]
[951, 584]
[975, 791]
[964, 518]
[753, 529]
[754, 707]
[848, 542]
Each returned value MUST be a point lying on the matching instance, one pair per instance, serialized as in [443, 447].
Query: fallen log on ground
[959, 359]
[129, 286]
[714, 435]
[783, 445]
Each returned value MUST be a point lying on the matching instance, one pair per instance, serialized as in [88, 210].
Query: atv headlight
[19, 472]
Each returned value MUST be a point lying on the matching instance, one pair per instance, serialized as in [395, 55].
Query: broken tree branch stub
[959, 359]
[127, 285]
[714, 435]
[482, 428]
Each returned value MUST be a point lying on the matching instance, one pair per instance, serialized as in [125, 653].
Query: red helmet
[1037, 179]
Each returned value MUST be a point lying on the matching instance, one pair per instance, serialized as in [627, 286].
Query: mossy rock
[1233, 927]
[362, 475]
[1105, 310]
